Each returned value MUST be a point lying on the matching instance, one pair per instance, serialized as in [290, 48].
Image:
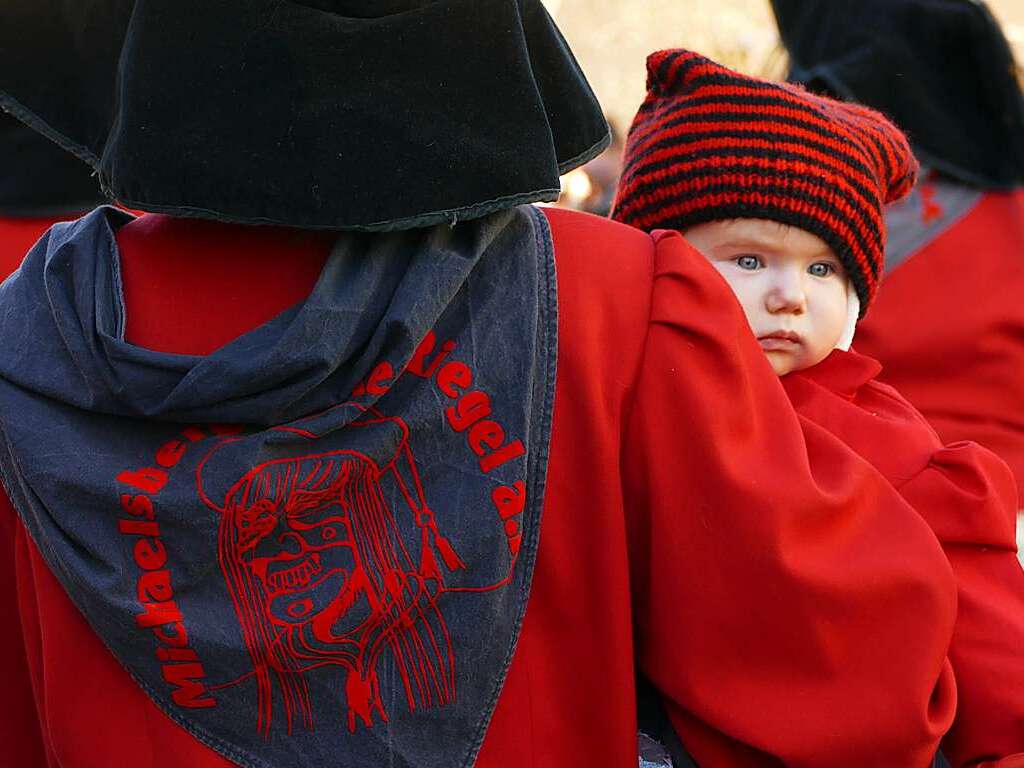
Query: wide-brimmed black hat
[382, 114]
[39, 179]
[941, 69]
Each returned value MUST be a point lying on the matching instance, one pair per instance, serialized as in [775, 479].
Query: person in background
[41, 184]
[948, 327]
[344, 453]
[591, 187]
[603, 172]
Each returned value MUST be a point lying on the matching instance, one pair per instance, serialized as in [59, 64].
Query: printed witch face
[792, 287]
[302, 552]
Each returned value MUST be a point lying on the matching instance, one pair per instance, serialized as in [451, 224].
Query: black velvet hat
[39, 179]
[380, 114]
[941, 69]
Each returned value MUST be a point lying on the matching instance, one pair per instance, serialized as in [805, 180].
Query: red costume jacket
[967, 495]
[17, 236]
[948, 325]
[789, 604]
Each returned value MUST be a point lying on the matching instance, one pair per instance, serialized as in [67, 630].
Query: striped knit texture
[710, 144]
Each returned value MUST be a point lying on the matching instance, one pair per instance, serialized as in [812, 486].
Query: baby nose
[786, 294]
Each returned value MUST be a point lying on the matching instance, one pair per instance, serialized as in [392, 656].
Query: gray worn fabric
[931, 209]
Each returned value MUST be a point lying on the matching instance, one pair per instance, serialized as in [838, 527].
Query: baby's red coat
[968, 496]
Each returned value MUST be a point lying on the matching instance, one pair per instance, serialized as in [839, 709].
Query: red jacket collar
[842, 372]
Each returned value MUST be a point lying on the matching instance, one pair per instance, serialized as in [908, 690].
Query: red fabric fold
[967, 496]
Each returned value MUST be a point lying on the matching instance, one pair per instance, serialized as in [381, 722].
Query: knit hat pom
[898, 174]
[710, 144]
[670, 71]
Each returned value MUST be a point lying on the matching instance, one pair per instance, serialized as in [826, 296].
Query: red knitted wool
[711, 144]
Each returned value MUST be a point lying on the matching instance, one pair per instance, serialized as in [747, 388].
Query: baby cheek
[745, 287]
[831, 320]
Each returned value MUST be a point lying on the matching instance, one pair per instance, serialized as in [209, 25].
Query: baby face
[790, 283]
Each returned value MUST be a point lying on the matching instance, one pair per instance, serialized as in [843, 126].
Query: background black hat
[941, 69]
[39, 179]
[380, 114]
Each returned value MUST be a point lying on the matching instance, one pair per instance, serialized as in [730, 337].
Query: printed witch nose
[291, 542]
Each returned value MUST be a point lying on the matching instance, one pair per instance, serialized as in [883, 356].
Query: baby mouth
[781, 340]
[297, 577]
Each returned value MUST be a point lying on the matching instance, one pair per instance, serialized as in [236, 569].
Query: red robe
[948, 325]
[968, 496]
[791, 606]
[17, 235]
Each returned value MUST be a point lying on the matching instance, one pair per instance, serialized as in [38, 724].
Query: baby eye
[748, 262]
[821, 269]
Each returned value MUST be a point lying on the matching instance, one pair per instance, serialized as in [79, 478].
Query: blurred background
[612, 40]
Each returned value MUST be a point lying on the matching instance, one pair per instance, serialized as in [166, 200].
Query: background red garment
[968, 496]
[745, 556]
[17, 236]
[948, 328]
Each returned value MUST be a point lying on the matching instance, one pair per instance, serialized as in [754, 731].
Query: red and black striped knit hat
[711, 144]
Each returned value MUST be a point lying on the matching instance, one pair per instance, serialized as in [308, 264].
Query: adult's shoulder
[605, 278]
[605, 271]
[599, 246]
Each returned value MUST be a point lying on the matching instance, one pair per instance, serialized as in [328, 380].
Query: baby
[793, 288]
[783, 192]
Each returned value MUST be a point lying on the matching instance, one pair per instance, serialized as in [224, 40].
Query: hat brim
[268, 112]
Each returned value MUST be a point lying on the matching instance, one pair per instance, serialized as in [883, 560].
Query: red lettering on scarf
[160, 615]
[177, 654]
[140, 506]
[150, 554]
[503, 455]
[469, 415]
[418, 365]
[188, 692]
[149, 479]
[378, 382]
[470, 409]
[454, 374]
[170, 454]
[155, 587]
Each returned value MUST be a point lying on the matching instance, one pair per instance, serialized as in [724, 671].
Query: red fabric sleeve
[791, 607]
[968, 497]
[20, 739]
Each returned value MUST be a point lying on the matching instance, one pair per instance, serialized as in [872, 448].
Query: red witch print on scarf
[319, 570]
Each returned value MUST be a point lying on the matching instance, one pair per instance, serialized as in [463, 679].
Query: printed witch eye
[821, 269]
[254, 524]
[748, 262]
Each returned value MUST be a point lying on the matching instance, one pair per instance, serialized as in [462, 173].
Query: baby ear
[853, 314]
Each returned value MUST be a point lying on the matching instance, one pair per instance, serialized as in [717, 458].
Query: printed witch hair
[404, 615]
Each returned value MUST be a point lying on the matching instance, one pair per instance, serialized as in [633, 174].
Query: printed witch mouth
[295, 578]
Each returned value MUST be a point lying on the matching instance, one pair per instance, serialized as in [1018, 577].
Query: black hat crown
[326, 113]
